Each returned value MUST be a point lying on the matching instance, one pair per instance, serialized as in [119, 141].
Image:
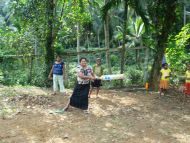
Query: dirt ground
[117, 116]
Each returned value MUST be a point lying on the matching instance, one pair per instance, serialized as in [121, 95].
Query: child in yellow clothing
[164, 82]
[187, 82]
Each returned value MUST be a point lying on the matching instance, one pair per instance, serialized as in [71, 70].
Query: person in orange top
[164, 81]
[187, 82]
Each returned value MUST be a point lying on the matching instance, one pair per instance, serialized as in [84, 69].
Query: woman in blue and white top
[58, 71]
[79, 98]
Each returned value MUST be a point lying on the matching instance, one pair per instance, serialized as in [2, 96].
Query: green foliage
[18, 72]
[177, 51]
[24, 28]
[38, 76]
[3, 113]
[11, 75]
[134, 76]
[72, 75]
[114, 60]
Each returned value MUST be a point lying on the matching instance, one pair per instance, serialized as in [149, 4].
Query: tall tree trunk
[98, 36]
[164, 23]
[107, 42]
[67, 73]
[136, 55]
[88, 41]
[36, 52]
[78, 41]
[155, 72]
[123, 50]
[145, 69]
[49, 38]
[30, 69]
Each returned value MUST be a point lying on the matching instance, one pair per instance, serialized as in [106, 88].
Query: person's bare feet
[97, 96]
[66, 108]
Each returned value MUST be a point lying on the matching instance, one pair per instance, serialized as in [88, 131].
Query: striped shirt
[87, 71]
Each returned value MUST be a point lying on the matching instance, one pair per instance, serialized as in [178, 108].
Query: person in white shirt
[79, 98]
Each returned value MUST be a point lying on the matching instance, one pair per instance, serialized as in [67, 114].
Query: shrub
[134, 76]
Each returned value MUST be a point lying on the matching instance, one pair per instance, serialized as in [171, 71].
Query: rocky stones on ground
[108, 125]
[29, 100]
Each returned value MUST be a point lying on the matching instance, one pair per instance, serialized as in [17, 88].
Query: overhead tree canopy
[92, 28]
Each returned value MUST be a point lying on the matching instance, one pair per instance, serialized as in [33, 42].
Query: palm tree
[94, 10]
[139, 8]
[107, 41]
[136, 30]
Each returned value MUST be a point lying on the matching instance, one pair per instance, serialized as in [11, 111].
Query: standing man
[98, 72]
[57, 71]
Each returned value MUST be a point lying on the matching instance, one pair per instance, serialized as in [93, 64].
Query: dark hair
[98, 59]
[58, 56]
[165, 64]
[83, 58]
